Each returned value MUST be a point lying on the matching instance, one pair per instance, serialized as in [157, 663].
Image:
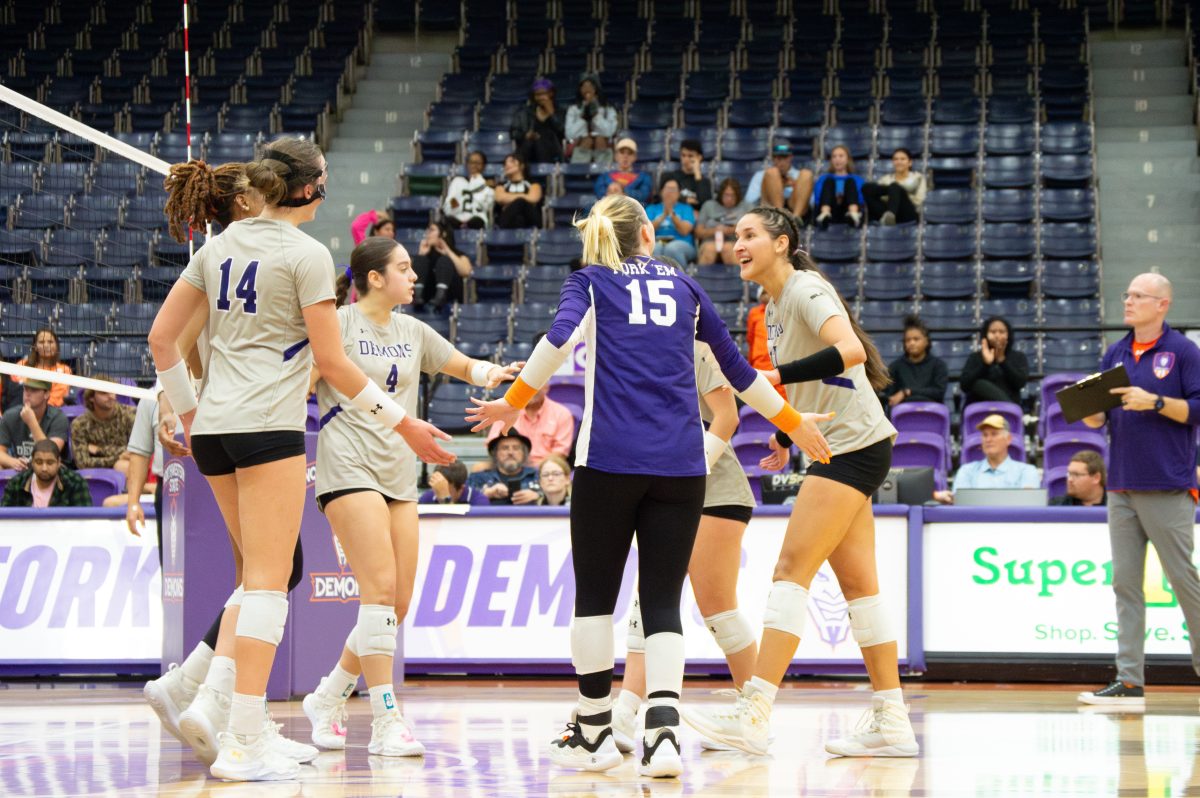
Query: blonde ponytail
[610, 232]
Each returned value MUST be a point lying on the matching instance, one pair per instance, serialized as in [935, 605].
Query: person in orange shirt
[756, 338]
[44, 355]
[548, 424]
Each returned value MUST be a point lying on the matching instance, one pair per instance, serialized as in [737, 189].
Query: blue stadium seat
[1008, 205]
[857, 138]
[1007, 240]
[1068, 240]
[1062, 138]
[1009, 278]
[41, 210]
[107, 283]
[949, 241]
[91, 319]
[1021, 313]
[650, 114]
[531, 319]
[507, 246]
[892, 137]
[495, 283]
[949, 206]
[1008, 139]
[1071, 354]
[949, 314]
[125, 248]
[883, 315]
[70, 248]
[801, 112]
[954, 140]
[482, 323]
[413, 212]
[721, 283]
[652, 144]
[558, 247]
[745, 144]
[230, 146]
[1008, 171]
[897, 243]
[95, 211]
[497, 116]
[903, 112]
[1011, 110]
[52, 282]
[1069, 170]
[953, 172]
[565, 208]
[1070, 278]
[543, 284]
[751, 113]
[118, 358]
[889, 280]
[1083, 313]
[947, 279]
[64, 178]
[955, 110]
[1068, 205]
[156, 281]
[707, 136]
[840, 242]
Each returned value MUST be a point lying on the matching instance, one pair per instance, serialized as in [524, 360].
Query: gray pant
[1166, 519]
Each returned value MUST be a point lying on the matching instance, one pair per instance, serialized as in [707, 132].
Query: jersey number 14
[244, 290]
[662, 305]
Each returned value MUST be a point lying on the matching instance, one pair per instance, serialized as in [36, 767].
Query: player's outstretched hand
[499, 374]
[778, 458]
[423, 438]
[485, 414]
[809, 438]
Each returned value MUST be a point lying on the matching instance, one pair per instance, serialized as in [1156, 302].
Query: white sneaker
[285, 746]
[169, 695]
[572, 750]
[624, 726]
[328, 719]
[392, 736]
[745, 726]
[660, 753]
[883, 731]
[199, 724]
[252, 761]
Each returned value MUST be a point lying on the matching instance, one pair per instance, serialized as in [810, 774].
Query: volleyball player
[642, 456]
[269, 292]
[826, 360]
[716, 559]
[367, 484]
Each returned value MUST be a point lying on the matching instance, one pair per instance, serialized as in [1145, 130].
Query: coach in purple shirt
[1151, 476]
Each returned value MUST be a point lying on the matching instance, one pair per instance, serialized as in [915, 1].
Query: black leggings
[519, 213]
[606, 510]
[210, 637]
[434, 269]
[891, 197]
[839, 204]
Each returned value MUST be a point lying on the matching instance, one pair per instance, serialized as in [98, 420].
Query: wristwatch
[1159, 403]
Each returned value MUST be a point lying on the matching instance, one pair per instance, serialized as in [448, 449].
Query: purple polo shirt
[1149, 451]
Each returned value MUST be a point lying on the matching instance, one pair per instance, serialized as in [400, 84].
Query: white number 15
[662, 305]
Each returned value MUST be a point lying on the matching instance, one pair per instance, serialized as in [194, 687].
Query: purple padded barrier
[1060, 447]
[975, 412]
[1055, 481]
[567, 389]
[103, 482]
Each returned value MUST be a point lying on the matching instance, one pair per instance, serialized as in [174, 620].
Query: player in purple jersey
[824, 358]
[642, 456]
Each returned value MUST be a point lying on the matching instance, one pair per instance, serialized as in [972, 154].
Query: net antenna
[187, 108]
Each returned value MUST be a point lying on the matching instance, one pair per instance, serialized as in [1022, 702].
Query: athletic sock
[383, 699]
[895, 694]
[340, 684]
[222, 672]
[247, 714]
[593, 715]
[196, 665]
[762, 687]
[664, 678]
[630, 701]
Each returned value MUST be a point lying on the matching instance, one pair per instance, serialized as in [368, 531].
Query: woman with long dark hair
[996, 372]
[440, 267]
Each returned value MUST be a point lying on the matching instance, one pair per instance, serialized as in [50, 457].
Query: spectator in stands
[591, 123]
[47, 482]
[538, 127]
[996, 372]
[43, 354]
[364, 225]
[448, 485]
[917, 376]
[35, 420]
[440, 267]
[624, 178]
[469, 199]
[518, 198]
[554, 479]
[782, 184]
[838, 193]
[510, 480]
[997, 469]
[1085, 482]
[896, 197]
[716, 224]
[673, 222]
[385, 227]
[548, 426]
[694, 188]
[100, 435]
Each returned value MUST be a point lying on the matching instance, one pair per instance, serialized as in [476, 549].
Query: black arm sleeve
[826, 363]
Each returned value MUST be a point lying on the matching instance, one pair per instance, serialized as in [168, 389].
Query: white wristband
[373, 401]
[479, 372]
[714, 447]
[177, 385]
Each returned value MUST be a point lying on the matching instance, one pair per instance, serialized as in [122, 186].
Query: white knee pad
[787, 608]
[376, 630]
[870, 622]
[263, 615]
[635, 638]
[731, 630]
[592, 643]
[235, 598]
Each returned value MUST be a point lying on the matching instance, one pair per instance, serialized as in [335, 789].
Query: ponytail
[198, 195]
[342, 287]
[781, 223]
[286, 165]
[611, 231]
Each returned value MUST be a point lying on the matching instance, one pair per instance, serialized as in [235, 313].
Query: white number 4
[662, 305]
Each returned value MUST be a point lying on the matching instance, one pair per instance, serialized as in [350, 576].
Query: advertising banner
[1035, 588]
[76, 589]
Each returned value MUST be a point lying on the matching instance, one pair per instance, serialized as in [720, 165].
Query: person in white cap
[624, 177]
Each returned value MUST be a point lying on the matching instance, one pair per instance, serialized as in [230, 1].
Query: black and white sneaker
[660, 753]
[572, 750]
[1116, 694]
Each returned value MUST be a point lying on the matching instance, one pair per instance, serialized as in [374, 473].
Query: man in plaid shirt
[47, 482]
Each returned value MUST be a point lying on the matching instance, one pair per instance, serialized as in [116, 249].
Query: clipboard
[1092, 394]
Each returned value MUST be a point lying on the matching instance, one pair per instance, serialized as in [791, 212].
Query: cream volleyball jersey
[726, 484]
[353, 449]
[793, 332]
[258, 274]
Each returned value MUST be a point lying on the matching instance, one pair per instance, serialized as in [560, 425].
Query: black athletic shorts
[325, 498]
[864, 469]
[218, 455]
[733, 512]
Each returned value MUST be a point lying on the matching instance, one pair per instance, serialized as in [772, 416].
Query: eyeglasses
[1077, 474]
[1137, 296]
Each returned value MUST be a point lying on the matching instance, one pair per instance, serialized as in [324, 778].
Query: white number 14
[662, 305]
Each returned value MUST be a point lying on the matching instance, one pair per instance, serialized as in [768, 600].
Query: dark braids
[782, 223]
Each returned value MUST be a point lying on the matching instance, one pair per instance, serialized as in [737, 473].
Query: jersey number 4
[662, 305]
[245, 287]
